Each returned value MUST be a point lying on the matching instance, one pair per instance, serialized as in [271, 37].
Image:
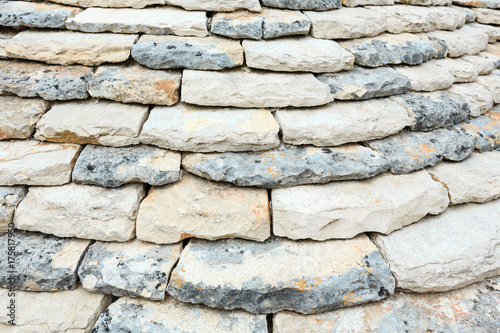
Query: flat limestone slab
[461, 70]
[5, 37]
[133, 268]
[354, 3]
[196, 207]
[201, 129]
[484, 130]
[33, 163]
[492, 31]
[479, 3]
[483, 65]
[10, 197]
[27, 14]
[217, 6]
[345, 209]
[445, 252]
[288, 165]
[280, 23]
[113, 167]
[83, 211]
[43, 262]
[492, 83]
[480, 100]
[487, 16]
[18, 116]
[460, 42]
[319, 5]
[306, 277]
[342, 122]
[427, 76]
[111, 3]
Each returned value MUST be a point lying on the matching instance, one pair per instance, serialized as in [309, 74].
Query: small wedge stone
[478, 97]
[461, 70]
[304, 5]
[111, 3]
[27, 14]
[492, 83]
[487, 16]
[10, 197]
[217, 6]
[483, 65]
[427, 76]
[484, 130]
[18, 116]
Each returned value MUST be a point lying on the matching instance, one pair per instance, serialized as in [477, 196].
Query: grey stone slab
[484, 130]
[238, 25]
[42, 15]
[10, 197]
[279, 23]
[304, 5]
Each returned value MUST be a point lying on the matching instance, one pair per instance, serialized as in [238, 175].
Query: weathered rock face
[82, 211]
[217, 6]
[187, 52]
[135, 84]
[249, 89]
[20, 13]
[288, 165]
[459, 42]
[492, 83]
[94, 122]
[478, 3]
[171, 213]
[66, 48]
[304, 5]
[492, 31]
[427, 76]
[279, 23]
[447, 251]
[5, 37]
[35, 163]
[133, 268]
[201, 129]
[478, 97]
[426, 2]
[113, 167]
[461, 70]
[484, 130]
[18, 116]
[342, 122]
[483, 65]
[10, 197]
[401, 18]
[487, 16]
[111, 3]
[361, 83]
[344, 209]
[44, 262]
[154, 21]
[29, 79]
[128, 314]
[354, 3]
[307, 277]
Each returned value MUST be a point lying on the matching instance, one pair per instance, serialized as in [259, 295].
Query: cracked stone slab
[217, 6]
[133, 315]
[345, 209]
[40, 15]
[111, 3]
[492, 83]
[478, 97]
[487, 16]
[30, 79]
[18, 116]
[133, 268]
[484, 130]
[10, 197]
[307, 277]
[483, 65]
[318, 5]
[493, 4]
[44, 262]
[288, 165]
[460, 42]
[83, 211]
[113, 167]
[342, 122]
[427, 76]
[447, 251]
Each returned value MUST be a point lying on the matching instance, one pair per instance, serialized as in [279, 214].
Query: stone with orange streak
[35, 15]
[493, 4]
[484, 130]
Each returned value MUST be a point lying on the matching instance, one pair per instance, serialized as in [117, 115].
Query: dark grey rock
[484, 130]
[279, 23]
[40, 15]
[439, 45]
[318, 5]
[238, 25]
[10, 197]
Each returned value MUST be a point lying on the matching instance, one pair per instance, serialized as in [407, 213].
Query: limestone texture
[10, 197]
[217, 6]
[26, 14]
[493, 32]
[484, 130]
[280, 23]
[354, 3]
[402, 18]
[5, 37]
[238, 25]
[487, 16]
[478, 3]
[288, 165]
[492, 83]
[319, 5]
[426, 2]
[427, 76]
[83, 211]
[111, 3]
[18, 116]
[113, 167]
[478, 97]
[196, 207]
[133, 268]
[461, 70]
[459, 42]
[483, 65]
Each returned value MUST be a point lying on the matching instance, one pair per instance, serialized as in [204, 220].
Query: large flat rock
[26, 14]
[461, 70]
[480, 100]
[483, 65]
[460, 42]
[487, 16]
[217, 6]
[319, 5]
[10, 197]
[18, 116]
[492, 31]
[427, 76]
[306, 277]
[484, 130]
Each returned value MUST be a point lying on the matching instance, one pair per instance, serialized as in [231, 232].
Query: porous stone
[135, 84]
[318, 5]
[201, 129]
[28, 162]
[492, 31]
[44, 262]
[5, 37]
[484, 130]
[246, 88]
[26, 14]
[487, 16]
[83, 211]
[460, 42]
[133, 268]
[288, 165]
[238, 25]
[111, 3]
[66, 47]
[363, 83]
[306, 277]
[18, 116]
[129, 314]
[342, 122]
[403, 18]
[94, 122]
[492, 83]
[10, 197]
[427, 76]
[187, 52]
[483, 65]
[217, 6]
[113, 167]
[478, 97]
[172, 213]
[445, 252]
[153, 21]
[30, 79]
[345, 209]
[478, 3]
[280, 23]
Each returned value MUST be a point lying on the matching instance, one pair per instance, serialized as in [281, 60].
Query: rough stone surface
[191, 128]
[492, 83]
[34, 163]
[354, 3]
[5, 36]
[153, 21]
[402, 18]
[478, 3]
[445, 252]
[133, 315]
[469, 13]
[134, 268]
[66, 48]
[83, 211]
[427, 76]
[492, 31]
[10, 197]
[484, 130]
[342, 122]
[345, 209]
[304, 5]
[111, 3]
[426, 2]
[44, 262]
[487, 16]
[18, 116]
[113, 167]
[306, 277]
[249, 89]
[362, 83]
[94, 122]
[461, 70]
[483, 65]
[478, 97]
[217, 6]
[280, 23]
[216, 210]
[287, 165]
[459, 42]
[135, 84]
[187, 52]
[25, 14]
[29, 79]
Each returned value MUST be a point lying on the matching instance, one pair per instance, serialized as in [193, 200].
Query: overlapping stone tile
[492, 31]
[27, 14]
[113, 167]
[280, 23]
[288, 165]
[403, 18]
[217, 210]
[470, 14]
[217, 6]
[483, 65]
[133, 268]
[478, 3]
[448, 18]
[445, 252]
[18, 116]
[484, 130]
[479, 98]
[318, 5]
[487, 16]
[427, 76]
[10, 197]
[492, 83]
[345, 209]
[111, 3]
[492, 53]
[83, 211]
[5, 36]
[426, 2]
[354, 3]
[461, 41]
[461, 70]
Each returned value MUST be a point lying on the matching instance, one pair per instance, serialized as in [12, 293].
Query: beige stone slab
[461, 70]
[492, 83]
[217, 6]
[483, 65]
[487, 16]
[427, 76]
[402, 18]
[18, 116]
[5, 37]
[478, 97]
[111, 3]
